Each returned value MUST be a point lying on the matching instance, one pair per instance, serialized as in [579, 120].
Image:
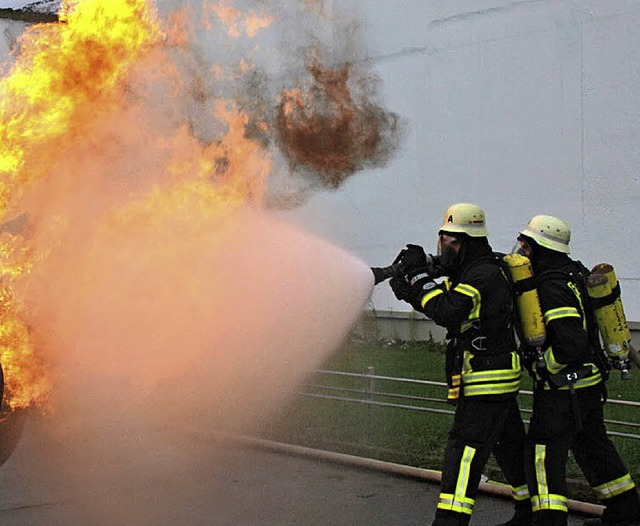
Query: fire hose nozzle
[381, 274]
[410, 262]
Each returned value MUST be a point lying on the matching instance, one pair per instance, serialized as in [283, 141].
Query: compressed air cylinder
[602, 287]
[528, 302]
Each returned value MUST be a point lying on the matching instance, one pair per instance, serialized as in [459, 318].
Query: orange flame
[24, 377]
[70, 79]
[53, 92]
[65, 74]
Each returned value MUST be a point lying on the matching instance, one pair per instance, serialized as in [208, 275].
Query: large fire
[145, 288]
[48, 100]
[97, 145]
[70, 80]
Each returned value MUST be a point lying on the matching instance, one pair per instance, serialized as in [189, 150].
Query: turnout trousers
[480, 426]
[553, 431]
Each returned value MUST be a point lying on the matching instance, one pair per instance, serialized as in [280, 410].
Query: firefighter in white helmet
[483, 372]
[569, 388]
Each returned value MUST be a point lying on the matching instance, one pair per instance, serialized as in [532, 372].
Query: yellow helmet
[466, 218]
[549, 232]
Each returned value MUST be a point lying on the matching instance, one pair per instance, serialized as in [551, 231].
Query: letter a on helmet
[465, 218]
[549, 232]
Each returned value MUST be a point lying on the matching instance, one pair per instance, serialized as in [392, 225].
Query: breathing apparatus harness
[577, 280]
[479, 339]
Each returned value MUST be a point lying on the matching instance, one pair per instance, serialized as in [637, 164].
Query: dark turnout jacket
[475, 305]
[569, 346]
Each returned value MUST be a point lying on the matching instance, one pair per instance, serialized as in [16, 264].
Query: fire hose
[489, 487]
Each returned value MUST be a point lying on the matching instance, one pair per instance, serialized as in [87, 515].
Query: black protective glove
[401, 288]
[410, 260]
[414, 258]
[412, 288]
[434, 266]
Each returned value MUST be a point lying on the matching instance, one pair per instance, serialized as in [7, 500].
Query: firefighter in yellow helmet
[569, 388]
[483, 372]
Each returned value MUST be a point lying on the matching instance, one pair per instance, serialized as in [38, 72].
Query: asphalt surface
[205, 481]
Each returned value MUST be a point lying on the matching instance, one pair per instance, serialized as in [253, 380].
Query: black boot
[523, 515]
[518, 520]
[621, 510]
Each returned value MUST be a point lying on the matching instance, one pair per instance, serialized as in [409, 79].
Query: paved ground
[226, 485]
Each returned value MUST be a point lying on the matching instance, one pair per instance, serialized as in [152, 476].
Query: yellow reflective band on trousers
[459, 502]
[520, 493]
[549, 502]
[474, 294]
[545, 500]
[615, 487]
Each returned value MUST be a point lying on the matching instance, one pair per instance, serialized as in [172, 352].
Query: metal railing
[370, 395]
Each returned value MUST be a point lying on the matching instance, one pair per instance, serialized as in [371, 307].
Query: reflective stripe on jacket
[477, 310]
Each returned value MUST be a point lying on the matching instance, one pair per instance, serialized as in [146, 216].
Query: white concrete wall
[523, 107]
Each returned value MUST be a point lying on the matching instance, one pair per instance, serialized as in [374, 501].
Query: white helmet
[466, 218]
[549, 232]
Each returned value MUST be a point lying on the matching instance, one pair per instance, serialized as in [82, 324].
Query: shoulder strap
[515, 289]
[498, 259]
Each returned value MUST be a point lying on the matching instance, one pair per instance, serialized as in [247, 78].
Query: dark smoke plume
[332, 125]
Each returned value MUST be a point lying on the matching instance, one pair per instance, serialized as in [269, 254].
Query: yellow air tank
[528, 302]
[604, 292]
